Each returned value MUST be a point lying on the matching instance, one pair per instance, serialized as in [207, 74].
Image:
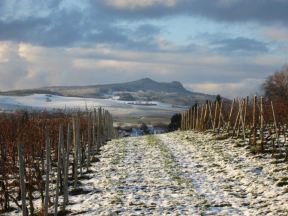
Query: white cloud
[268, 60]
[123, 66]
[25, 66]
[276, 32]
[173, 57]
[4, 52]
[135, 4]
[242, 88]
[13, 67]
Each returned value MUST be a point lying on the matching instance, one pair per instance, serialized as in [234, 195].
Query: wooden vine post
[205, 117]
[202, 119]
[236, 123]
[66, 169]
[60, 144]
[219, 117]
[194, 114]
[22, 178]
[89, 138]
[230, 116]
[215, 116]
[187, 120]
[254, 120]
[93, 130]
[210, 114]
[190, 118]
[246, 102]
[241, 105]
[182, 121]
[99, 128]
[275, 122]
[76, 142]
[197, 117]
[48, 153]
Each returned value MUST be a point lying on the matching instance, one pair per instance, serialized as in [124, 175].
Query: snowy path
[182, 173]
[232, 181]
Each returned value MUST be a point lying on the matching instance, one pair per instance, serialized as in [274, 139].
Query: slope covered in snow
[116, 107]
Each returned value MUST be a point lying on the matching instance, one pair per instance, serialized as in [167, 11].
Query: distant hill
[144, 89]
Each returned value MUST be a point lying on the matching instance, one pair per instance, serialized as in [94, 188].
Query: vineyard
[259, 122]
[43, 154]
[48, 163]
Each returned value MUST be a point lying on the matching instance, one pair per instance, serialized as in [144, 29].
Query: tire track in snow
[150, 188]
[132, 179]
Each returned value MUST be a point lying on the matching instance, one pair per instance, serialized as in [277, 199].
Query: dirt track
[182, 173]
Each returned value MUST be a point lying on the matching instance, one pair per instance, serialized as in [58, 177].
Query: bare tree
[276, 85]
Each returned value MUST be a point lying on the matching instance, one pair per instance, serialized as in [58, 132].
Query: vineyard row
[259, 122]
[42, 154]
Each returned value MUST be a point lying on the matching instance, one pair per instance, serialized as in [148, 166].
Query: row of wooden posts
[64, 163]
[255, 121]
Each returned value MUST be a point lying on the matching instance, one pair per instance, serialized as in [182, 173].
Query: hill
[140, 90]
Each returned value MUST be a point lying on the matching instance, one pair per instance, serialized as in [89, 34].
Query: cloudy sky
[211, 46]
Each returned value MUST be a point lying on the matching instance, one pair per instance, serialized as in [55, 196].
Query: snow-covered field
[116, 107]
[182, 173]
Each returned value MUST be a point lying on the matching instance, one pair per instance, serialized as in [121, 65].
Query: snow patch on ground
[182, 173]
[187, 173]
[233, 181]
